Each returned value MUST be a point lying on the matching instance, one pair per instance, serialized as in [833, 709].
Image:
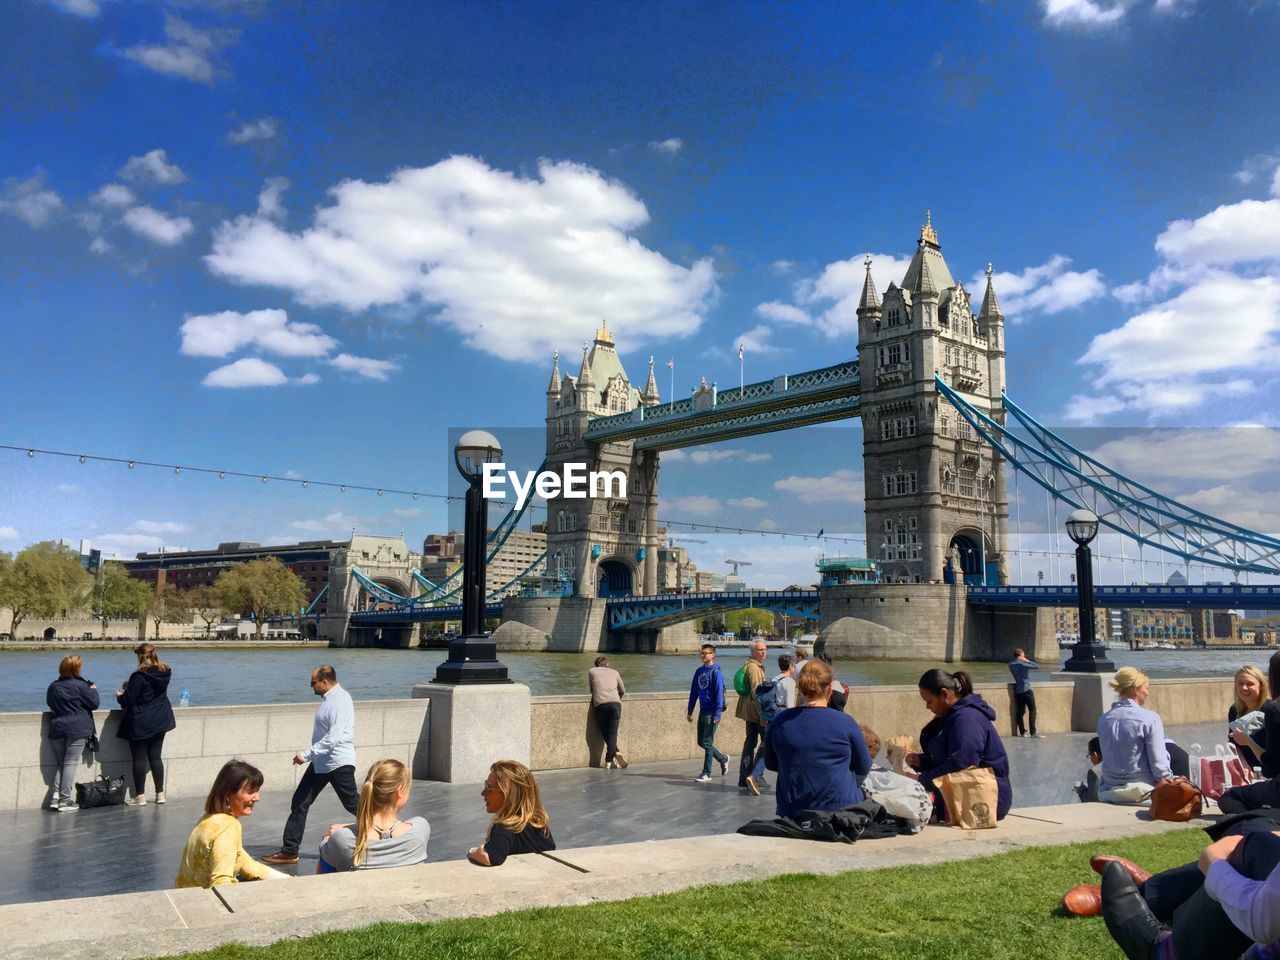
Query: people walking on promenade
[751, 764]
[72, 700]
[520, 824]
[607, 691]
[331, 760]
[1024, 697]
[214, 853]
[1266, 792]
[816, 752]
[378, 838]
[148, 716]
[1251, 694]
[1134, 755]
[961, 734]
[707, 691]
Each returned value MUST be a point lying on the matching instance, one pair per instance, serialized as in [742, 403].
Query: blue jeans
[707, 741]
[752, 762]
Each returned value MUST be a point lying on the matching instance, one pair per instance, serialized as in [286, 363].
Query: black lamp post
[1088, 655]
[473, 657]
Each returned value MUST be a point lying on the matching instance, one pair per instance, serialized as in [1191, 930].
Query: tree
[43, 580]
[204, 602]
[754, 619]
[264, 588]
[168, 605]
[118, 596]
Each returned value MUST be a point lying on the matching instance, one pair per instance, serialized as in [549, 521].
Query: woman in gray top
[378, 838]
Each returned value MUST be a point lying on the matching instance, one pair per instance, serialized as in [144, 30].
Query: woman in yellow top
[214, 853]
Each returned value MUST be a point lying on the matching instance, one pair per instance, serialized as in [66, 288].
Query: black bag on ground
[866, 820]
[105, 791]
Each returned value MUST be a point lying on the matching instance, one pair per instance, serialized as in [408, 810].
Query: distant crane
[737, 564]
[671, 545]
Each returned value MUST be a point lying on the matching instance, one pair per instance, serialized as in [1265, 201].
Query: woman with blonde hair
[1250, 695]
[1266, 744]
[71, 700]
[520, 823]
[378, 838]
[1134, 755]
[148, 716]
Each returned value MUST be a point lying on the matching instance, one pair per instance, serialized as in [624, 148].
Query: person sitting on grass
[520, 823]
[1135, 756]
[379, 838]
[214, 853]
[1266, 792]
[816, 752]
[1087, 789]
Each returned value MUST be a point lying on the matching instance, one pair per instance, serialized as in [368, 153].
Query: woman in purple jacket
[960, 735]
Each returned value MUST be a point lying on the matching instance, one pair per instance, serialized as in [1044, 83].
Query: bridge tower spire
[935, 497]
[650, 397]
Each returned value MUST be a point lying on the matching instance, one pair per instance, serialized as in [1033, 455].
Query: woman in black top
[148, 716]
[519, 823]
[1263, 793]
[72, 700]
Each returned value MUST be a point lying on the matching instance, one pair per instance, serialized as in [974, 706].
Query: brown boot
[1099, 863]
[1083, 901]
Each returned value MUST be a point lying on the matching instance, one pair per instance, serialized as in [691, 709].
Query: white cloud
[113, 195]
[756, 341]
[269, 203]
[308, 379]
[1235, 506]
[152, 224]
[153, 167]
[1259, 165]
[189, 52]
[782, 267]
[161, 526]
[100, 245]
[516, 266]
[1084, 13]
[697, 506]
[1176, 8]
[246, 372]
[1049, 288]
[1275, 183]
[221, 334]
[1089, 408]
[127, 544]
[784, 313]
[836, 290]
[701, 456]
[30, 200]
[264, 128]
[1200, 455]
[364, 366]
[842, 486]
[748, 503]
[81, 8]
[9, 533]
[334, 521]
[668, 148]
[1244, 232]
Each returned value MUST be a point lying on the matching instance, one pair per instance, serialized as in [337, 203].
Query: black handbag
[104, 791]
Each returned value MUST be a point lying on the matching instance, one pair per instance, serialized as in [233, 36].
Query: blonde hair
[1241, 707]
[384, 779]
[70, 666]
[1128, 678]
[815, 680]
[148, 658]
[521, 801]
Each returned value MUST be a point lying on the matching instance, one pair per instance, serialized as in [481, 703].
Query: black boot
[1129, 920]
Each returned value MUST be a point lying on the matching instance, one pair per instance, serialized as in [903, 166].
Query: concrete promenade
[651, 816]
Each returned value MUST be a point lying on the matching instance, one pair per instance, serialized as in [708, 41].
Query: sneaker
[620, 760]
[159, 796]
[724, 765]
[700, 778]
[1037, 736]
[68, 807]
[753, 786]
[611, 765]
[1024, 735]
[137, 800]
[53, 805]
[280, 856]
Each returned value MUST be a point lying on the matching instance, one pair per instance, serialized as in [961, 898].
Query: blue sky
[309, 239]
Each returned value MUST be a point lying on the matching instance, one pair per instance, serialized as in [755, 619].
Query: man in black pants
[607, 691]
[331, 758]
[1023, 695]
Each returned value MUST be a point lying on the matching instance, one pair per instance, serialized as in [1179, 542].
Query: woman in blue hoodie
[960, 735]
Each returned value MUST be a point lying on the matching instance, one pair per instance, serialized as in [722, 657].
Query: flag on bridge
[820, 533]
[741, 350]
[671, 364]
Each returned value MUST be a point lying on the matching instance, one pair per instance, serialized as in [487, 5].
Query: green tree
[264, 588]
[757, 621]
[43, 580]
[168, 605]
[118, 596]
[205, 603]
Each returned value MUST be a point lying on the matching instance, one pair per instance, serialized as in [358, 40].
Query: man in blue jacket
[1023, 695]
[707, 690]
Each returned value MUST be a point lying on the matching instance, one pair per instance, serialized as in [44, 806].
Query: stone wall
[267, 736]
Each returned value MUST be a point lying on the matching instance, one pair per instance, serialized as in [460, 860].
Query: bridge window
[944, 320]
[967, 483]
[895, 353]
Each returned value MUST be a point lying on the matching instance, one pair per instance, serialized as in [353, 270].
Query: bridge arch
[970, 557]
[615, 577]
[365, 600]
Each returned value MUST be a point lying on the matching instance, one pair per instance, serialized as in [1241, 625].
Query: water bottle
[185, 699]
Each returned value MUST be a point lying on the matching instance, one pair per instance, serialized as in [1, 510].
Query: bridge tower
[605, 546]
[935, 495]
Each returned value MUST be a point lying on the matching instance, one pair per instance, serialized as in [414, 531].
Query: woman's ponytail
[364, 822]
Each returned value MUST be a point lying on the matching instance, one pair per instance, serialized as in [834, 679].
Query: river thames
[229, 677]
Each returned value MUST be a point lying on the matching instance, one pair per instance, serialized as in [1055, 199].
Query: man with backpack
[745, 682]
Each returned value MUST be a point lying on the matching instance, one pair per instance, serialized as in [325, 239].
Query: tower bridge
[928, 383]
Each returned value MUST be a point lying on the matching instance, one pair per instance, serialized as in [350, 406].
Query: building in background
[522, 558]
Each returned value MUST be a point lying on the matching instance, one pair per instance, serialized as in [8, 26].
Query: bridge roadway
[625, 613]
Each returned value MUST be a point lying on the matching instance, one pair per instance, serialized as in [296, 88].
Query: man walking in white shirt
[331, 758]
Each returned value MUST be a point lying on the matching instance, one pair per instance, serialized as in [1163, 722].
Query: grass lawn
[993, 907]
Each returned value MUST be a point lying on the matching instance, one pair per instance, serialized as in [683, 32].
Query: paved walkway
[52, 856]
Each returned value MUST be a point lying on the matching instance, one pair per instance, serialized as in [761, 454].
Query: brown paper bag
[971, 796]
[896, 750]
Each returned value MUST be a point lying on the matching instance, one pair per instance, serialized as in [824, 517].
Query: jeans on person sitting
[67, 755]
[608, 716]
[707, 741]
[752, 762]
[1252, 796]
[343, 780]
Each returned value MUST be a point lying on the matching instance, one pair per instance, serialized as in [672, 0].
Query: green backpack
[740, 682]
